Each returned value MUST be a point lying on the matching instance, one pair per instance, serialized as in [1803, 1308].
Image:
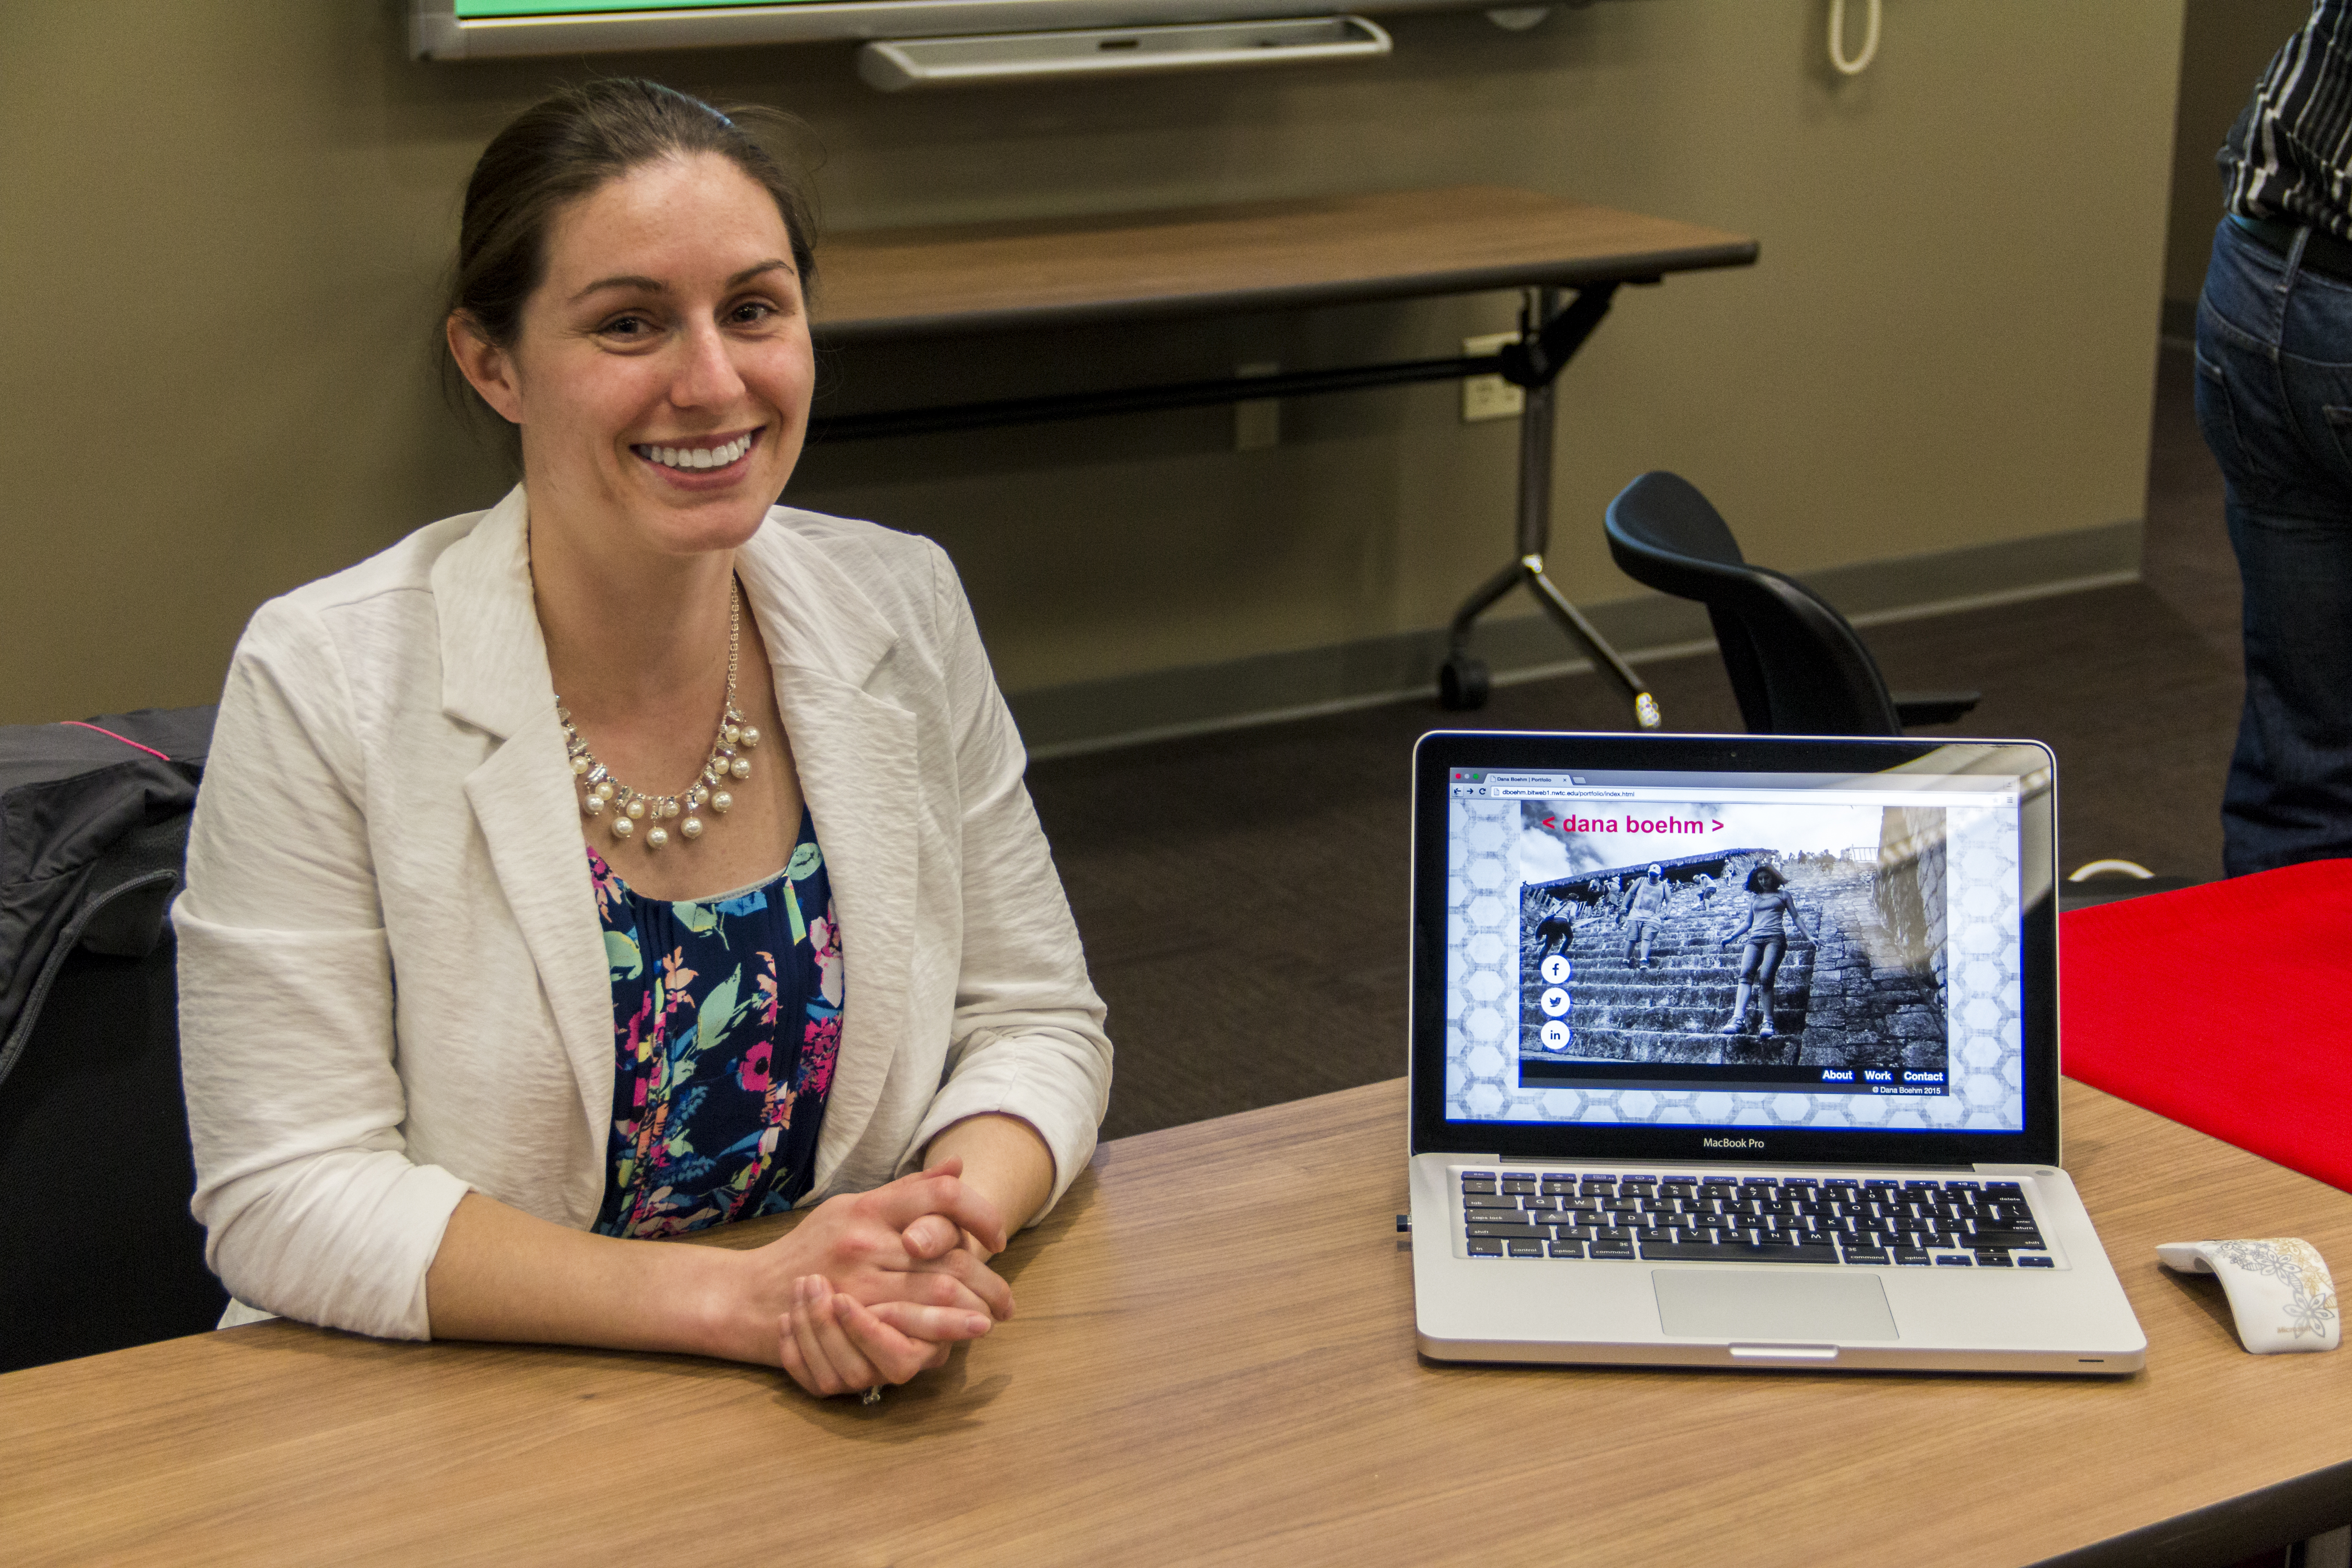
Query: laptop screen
[1671, 935]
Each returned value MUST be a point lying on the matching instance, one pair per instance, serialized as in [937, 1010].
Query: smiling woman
[449, 1066]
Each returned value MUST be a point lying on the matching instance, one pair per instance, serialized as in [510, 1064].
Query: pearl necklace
[601, 792]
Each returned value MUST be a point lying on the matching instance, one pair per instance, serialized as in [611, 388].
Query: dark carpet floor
[1242, 895]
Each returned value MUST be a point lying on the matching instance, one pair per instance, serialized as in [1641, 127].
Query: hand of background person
[881, 1286]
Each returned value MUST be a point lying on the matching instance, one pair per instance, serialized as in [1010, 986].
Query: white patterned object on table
[2279, 1290]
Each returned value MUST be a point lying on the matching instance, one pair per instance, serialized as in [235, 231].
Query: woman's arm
[1026, 1044]
[312, 1205]
[1745, 925]
[1005, 1161]
[1789, 902]
[898, 1294]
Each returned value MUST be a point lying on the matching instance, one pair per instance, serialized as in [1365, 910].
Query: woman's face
[662, 369]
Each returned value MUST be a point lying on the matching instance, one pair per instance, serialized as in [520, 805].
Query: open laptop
[1743, 1051]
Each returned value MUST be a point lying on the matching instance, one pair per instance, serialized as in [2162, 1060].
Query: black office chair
[1796, 666]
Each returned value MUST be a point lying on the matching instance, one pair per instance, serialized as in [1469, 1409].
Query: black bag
[93, 833]
[98, 1250]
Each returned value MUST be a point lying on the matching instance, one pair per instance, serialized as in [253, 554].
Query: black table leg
[1552, 336]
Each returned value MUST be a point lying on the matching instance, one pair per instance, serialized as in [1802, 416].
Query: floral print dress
[725, 1020]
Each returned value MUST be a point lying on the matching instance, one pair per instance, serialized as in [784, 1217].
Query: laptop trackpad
[1774, 1304]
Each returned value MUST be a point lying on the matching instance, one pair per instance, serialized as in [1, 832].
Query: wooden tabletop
[906, 282]
[1214, 1362]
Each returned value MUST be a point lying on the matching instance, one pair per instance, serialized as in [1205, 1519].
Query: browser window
[1814, 949]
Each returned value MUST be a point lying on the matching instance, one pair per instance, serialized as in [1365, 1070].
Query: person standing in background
[2274, 403]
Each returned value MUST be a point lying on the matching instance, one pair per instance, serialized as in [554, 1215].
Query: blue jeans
[2275, 403]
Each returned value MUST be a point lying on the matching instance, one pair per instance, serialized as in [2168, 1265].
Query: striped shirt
[2289, 156]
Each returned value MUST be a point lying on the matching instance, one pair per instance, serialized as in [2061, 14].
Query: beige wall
[224, 218]
[2225, 44]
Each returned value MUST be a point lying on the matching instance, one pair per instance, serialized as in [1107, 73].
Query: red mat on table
[2227, 1007]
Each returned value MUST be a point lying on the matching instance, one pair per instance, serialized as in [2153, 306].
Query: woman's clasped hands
[881, 1285]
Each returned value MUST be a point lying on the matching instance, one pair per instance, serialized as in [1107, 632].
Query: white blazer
[393, 982]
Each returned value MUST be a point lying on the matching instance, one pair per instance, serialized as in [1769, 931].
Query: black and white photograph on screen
[1734, 936]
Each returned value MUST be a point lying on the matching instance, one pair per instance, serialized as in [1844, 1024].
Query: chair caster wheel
[1462, 682]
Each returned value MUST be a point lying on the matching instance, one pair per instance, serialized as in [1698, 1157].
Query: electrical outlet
[1490, 396]
[1258, 424]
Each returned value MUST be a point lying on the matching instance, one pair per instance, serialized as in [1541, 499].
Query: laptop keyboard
[1963, 1224]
